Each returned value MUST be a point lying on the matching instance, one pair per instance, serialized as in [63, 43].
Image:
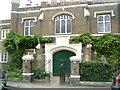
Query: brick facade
[84, 19]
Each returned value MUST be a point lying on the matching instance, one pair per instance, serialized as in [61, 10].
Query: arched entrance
[57, 57]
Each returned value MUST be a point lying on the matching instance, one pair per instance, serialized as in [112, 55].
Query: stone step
[55, 79]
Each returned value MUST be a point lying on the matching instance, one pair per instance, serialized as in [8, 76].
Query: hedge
[95, 71]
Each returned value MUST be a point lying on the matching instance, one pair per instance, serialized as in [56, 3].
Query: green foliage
[95, 71]
[74, 40]
[85, 38]
[10, 43]
[115, 67]
[109, 46]
[16, 45]
[38, 73]
[14, 74]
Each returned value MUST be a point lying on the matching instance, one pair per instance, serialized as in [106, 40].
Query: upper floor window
[63, 24]
[29, 27]
[4, 33]
[4, 57]
[104, 23]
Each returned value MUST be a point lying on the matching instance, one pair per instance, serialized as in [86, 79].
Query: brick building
[61, 20]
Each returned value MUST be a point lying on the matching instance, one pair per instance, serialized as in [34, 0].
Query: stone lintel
[27, 74]
[74, 76]
[27, 57]
[75, 58]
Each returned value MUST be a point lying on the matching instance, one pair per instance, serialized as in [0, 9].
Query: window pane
[5, 57]
[63, 26]
[65, 17]
[2, 57]
[100, 18]
[7, 31]
[69, 25]
[3, 33]
[26, 30]
[107, 18]
[100, 27]
[31, 23]
[31, 30]
[26, 23]
[107, 27]
[62, 17]
[57, 26]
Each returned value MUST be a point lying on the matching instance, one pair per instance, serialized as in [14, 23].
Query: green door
[61, 55]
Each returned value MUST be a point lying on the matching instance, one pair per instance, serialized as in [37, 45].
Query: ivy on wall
[107, 45]
[85, 38]
[16, 44]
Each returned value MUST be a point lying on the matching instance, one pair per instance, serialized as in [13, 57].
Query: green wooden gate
[57, 57]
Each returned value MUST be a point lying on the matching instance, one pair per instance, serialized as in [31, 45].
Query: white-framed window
[4, 33]
[29, 27]
[3, 57]
[63, 24]
[104, 23]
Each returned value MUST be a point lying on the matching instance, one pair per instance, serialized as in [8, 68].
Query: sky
[5, 7]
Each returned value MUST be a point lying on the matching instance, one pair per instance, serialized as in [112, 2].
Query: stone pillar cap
[15, 1]
[27, 57]
[75, 58]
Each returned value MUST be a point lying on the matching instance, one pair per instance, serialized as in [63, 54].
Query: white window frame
[60, 19]
[4, 33]
[29, 18]
[104, 12]
[104, 31]
[3, 57]
[28, 27]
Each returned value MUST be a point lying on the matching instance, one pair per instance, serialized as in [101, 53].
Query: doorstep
[96, 84]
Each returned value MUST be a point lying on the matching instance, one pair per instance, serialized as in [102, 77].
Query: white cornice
[49, 8]
[76, 35]
[26, 12]
[61, 7]
[28, 6]
[61, 35]
[101, 5]
[5, 24]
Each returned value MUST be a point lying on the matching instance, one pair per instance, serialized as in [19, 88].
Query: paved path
[50, 85]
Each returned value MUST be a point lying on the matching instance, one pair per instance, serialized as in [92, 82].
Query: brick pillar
[40, 57]
[27, 68]
[75, 76]
[88, 52]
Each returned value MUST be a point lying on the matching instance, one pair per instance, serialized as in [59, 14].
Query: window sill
[28, 35]
[103, 32]
[3, 62]
[63, 33]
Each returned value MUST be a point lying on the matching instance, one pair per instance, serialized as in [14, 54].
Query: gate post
[27, 68]
[75, 76]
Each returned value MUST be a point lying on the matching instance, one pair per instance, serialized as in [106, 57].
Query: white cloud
[5, 9]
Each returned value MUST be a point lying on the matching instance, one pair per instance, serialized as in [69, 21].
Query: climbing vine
[85, 38]
[16, 44]
[107, 45]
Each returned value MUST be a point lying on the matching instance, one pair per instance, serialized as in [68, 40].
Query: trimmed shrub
[95, 71]
[38, 73]
[14, 74]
